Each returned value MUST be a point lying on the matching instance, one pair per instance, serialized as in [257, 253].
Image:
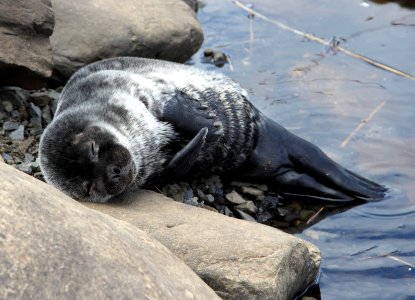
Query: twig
[230, 62]
[251, 34]
[313, 217]
[363, 123]
[322, 41]
[401, 260]
[363, 251]
[380, 255]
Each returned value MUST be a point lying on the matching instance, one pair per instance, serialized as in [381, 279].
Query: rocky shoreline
[241, 260]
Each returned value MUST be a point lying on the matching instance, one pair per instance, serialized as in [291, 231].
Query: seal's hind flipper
[183, 160]
[298, 167]
[311, 160]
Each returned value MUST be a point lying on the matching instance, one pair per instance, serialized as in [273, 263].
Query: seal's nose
[115, 173]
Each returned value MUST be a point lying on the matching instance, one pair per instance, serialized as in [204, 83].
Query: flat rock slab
[87, 31]
[238, 259]
[25, 50]
[52, 247]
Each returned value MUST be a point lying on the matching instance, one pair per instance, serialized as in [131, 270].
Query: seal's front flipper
[183, 160]
[301, 168]
[187, 114]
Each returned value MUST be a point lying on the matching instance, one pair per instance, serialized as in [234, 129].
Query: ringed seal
[124, 122]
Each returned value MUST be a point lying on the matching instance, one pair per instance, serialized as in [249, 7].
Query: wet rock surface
[52, 247]
[215, 57]
[25, 50]
[89, 31]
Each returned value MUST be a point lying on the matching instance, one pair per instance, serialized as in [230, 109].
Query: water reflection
[367, 249]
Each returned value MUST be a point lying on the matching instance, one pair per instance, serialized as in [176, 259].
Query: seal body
[123, 122]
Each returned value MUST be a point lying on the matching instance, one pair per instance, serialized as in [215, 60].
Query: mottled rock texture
[238, 259]
[52, 247]
[88, 31]
[25, 50]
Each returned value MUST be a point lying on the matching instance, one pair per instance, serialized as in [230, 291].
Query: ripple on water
[395, 205]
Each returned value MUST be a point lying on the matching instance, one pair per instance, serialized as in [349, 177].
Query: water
[368, 251]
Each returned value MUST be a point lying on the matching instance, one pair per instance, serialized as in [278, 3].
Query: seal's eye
[93, 151]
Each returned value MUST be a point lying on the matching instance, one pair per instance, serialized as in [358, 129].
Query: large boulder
[238, 259]
[25, 51]
[52, 247]
[87, 31]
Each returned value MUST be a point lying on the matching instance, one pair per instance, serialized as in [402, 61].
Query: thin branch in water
[380, 255]
[229, 62]
[363, 251]
[324, 42]
[313, 217]
[362, 124]
[401, 261]
[251, 33]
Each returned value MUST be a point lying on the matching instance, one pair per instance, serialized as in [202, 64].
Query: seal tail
[299, 168]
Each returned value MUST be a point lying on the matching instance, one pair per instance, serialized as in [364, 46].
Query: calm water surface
[369, 250]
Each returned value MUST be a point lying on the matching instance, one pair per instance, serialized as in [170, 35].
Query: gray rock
[43, 98]
[36, 122]
[235, 198]
[216, 57]
[24, 167]
[9, 125]
[17, 96]
[262, 187]
[28, 157]
[35, 165]
[238, 259]
[245, 216]
[25, 53]
[54, 106]
[87, 32]
[7, 105]
[52, 247]
[18, 134]
[210, 198]
[264, 216]
[35, 131]
[227, 212]
[6, 157]
[24, 145]
[35, 111]
[252, 191]
[15, 114]
[188, 194]
[248, 207]
[47, 114]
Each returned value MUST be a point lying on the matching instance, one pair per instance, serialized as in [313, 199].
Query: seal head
[89, 164]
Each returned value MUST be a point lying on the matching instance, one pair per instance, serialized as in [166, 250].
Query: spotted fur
[126, 97]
